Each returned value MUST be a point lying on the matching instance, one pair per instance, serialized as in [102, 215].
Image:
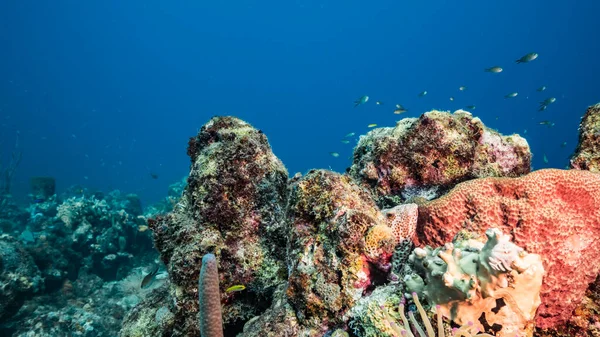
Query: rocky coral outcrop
[587, 153]
[423, 157]
[233, 206]
[553, 213]
[19, 277]
[339, 244]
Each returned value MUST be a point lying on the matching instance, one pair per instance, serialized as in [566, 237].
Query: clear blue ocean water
[104, 93]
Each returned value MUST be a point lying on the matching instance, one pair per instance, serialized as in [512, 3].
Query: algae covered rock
[340, 246]
[233, 206]
[20, 278]
[587, 154]
[423, 157]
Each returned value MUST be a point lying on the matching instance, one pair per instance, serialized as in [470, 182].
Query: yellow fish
[237, 287]
[142, 228]
[372, 125]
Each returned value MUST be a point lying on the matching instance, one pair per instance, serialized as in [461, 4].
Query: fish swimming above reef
[361, 101]
[540, 89]
[546, 102]
[495, 69]
[462, 88]
[149, 277]
[527, 58]
[400, 109]
[423, 93]
[512, 95]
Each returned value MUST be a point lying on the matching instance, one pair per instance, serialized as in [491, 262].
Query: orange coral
[553, 213]
[379, 241]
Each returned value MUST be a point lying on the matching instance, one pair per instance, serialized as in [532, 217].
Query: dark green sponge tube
[211, 322]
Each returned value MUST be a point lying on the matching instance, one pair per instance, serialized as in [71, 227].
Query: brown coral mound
[337, 236]
[233, 206]
[587, 154]
[553, 213]
[437, 150]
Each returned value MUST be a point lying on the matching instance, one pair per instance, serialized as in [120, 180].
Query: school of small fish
[496, 69]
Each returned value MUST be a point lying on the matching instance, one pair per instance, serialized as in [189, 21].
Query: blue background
[104, 92]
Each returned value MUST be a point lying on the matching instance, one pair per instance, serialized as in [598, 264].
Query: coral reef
[338, 244]
[57, 256]
[553, 213]
[319, 255]
[430, 154]
[233, 206]
[19, 277]
[587, 153]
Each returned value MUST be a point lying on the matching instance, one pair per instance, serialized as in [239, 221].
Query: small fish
[237, 287]
[423, 93]
[542, 107]
[379, 103]
[345, 141]
[360, 101]
[462, 88]
[451, 98]
[149, 277]
[525, 131]
[471, 107]
[527, 58]
[547, 123]
[512, 95]
[495, 69]
[545, 159]
[372, 125]
[400, 111]
[351, 134]
[548, 101]
[334, 154]
[153, 175]
[142, 228]
[563, 144]
[540, 89]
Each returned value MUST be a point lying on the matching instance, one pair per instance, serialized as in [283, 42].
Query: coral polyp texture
[422, 157]
[233, 206]
[587, 154]
[494, 285]
[553, 213]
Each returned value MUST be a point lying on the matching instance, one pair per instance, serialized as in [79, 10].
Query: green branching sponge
[211, 322]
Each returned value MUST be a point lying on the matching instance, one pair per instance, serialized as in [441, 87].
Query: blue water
[103, 93]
